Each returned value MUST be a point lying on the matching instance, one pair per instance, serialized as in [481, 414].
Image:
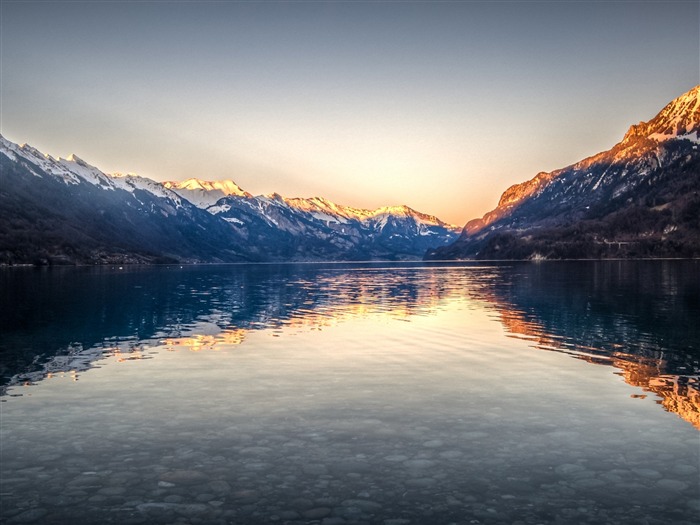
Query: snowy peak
[680, 119]
[321, 207]
[75, 171]
[8, 148]
[77, 160]
[401, 210]
[32, 151]
[228, 187]
[71, 170]
[204, 193]
[421, 218]
[85, 171]
[36, 159]
[25, 151]
[132, 181]
[681, 116]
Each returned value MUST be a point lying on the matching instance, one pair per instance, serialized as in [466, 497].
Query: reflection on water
[346, 394]
[81, 315]
[198, 343]
[640, 317]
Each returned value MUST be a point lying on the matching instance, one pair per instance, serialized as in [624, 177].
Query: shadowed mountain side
[639, 199]
[51, 218]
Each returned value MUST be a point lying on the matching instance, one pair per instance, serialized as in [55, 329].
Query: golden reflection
[677, 394]
[131, 353]
[200, 342]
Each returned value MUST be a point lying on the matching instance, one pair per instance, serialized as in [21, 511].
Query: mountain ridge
[636, 199]
[66, 211]
[213, 191]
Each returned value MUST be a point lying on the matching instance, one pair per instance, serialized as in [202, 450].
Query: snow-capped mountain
[638, 199]
[67, 211]
[205, 193]
[316, 228]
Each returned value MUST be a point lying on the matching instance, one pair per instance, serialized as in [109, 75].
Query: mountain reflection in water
[638, 317]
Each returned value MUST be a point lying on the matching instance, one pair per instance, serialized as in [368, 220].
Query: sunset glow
[436, 105]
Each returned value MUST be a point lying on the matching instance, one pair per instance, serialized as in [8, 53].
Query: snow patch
[662, 137]
[221, 208]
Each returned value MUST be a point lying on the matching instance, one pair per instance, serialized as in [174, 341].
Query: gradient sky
[438, 105]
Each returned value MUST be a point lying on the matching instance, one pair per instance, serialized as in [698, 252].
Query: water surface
[365, 393]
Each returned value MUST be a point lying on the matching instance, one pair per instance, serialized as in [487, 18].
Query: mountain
[65, 211]
[205, 193]
[639, 199]
[318, 229]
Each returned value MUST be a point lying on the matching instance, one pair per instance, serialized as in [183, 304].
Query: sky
[437, 105]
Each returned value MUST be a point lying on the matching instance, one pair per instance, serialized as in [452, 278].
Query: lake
[414, 393]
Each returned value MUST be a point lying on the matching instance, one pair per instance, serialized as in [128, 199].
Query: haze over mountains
[65, 211]
[638, 199]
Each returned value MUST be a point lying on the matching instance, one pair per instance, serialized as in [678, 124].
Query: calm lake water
[556, 392]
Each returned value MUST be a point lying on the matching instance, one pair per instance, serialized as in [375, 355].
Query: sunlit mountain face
[639, 199]
[638, 318]
[205, 193]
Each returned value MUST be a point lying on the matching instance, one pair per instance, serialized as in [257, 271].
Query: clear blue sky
[438, 105]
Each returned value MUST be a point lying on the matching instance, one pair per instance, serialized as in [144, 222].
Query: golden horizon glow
[346, 100]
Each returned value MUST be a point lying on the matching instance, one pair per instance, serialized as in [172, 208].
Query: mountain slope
[66, 211]
[638, 199]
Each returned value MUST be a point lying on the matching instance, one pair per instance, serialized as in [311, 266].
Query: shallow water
[366, 393]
